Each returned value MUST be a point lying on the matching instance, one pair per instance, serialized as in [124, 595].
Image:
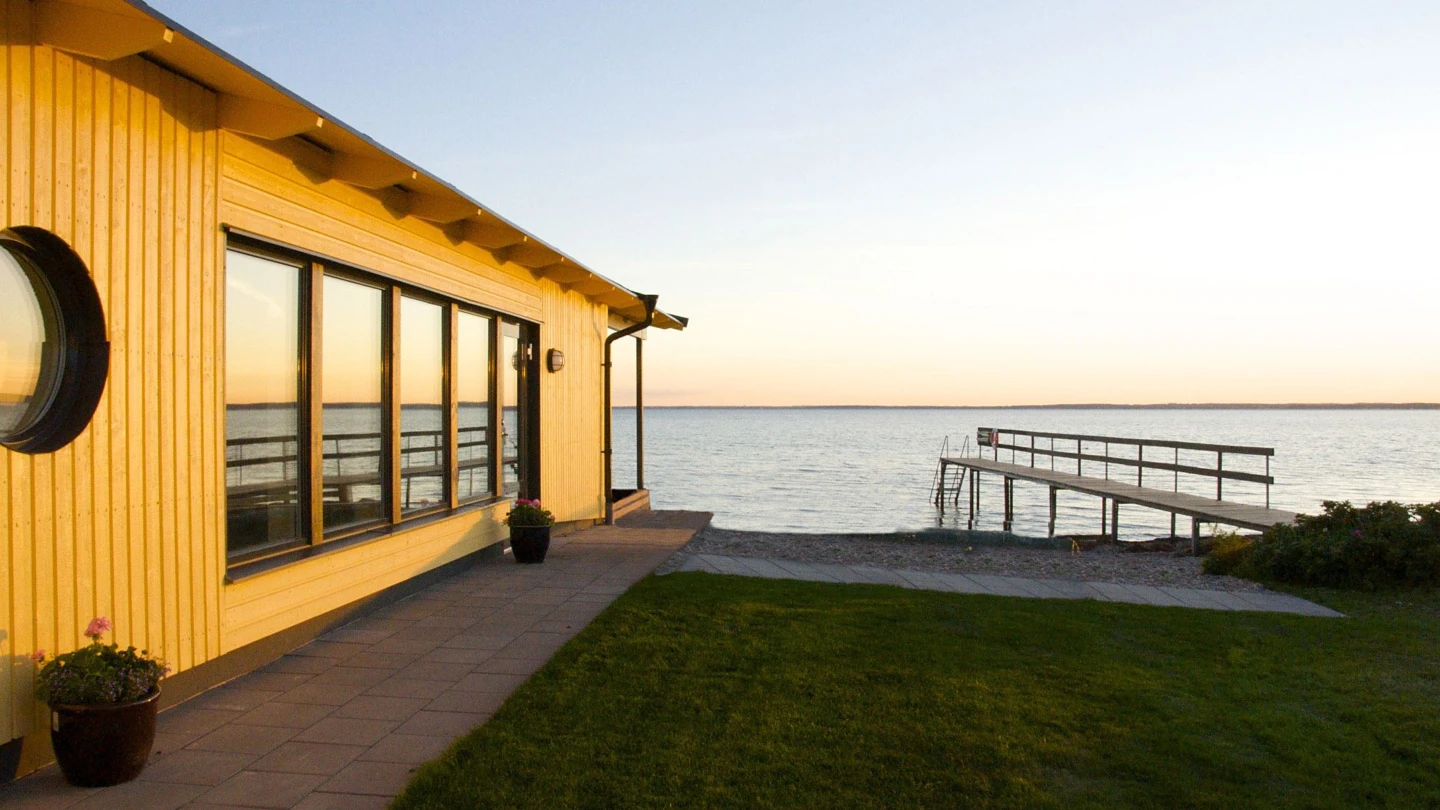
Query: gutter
[649, 301]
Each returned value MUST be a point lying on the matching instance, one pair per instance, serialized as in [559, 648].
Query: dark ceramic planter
[529, 543]
[99, 746]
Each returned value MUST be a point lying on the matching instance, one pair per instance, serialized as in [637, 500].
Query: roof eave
[251, 100]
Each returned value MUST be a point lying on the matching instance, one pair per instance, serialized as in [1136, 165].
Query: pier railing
[1038, 444]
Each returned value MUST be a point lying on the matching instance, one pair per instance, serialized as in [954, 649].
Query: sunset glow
[941, 203]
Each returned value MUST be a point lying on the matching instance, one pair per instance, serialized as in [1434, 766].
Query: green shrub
[1383, 545]
[1230, 553]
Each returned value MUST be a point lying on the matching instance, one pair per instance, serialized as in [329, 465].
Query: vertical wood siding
[120, 159]
[572, 471]
[123, 160]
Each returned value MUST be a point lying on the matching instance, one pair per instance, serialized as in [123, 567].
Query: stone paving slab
[1021, 587]
[343, 721]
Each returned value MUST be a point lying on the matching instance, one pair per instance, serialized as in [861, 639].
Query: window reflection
[352, 435]
[472, 377]
[269, 432]
[262, 428]
[510, 363]
[422, 405]
[29, 346]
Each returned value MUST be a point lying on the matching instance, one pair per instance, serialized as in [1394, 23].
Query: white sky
[936, 203]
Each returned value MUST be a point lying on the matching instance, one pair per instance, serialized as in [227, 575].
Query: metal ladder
[942, 484]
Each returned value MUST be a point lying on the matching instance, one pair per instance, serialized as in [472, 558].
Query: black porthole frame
[85, 355]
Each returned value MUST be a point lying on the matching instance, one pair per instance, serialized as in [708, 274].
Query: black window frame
[312, 537]
[74, 316]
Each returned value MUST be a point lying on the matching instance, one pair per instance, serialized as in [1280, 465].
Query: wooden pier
[1111, 492]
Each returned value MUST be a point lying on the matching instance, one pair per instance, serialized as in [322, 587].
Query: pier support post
[1115, 520]
[1009, 491]
[1194, 536]
[1172, 525]
[974, 499]
[1052, 511]
[1104, 502]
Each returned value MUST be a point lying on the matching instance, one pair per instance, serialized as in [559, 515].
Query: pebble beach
[1106, 562]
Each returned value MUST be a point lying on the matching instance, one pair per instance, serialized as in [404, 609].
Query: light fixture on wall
[555, 360]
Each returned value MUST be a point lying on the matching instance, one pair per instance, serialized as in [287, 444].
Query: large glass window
[472, 386]
[422, 405]
[352, 389]
[351, 404]
[262, 396]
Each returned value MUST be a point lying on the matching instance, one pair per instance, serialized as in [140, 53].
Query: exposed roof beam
[616, 298]
[491, 235]
[99, 34]
[562, 272]
[265, 120]
[591, 286]
[502, 254]
[441, 208]
[529, 254]
[370, 172]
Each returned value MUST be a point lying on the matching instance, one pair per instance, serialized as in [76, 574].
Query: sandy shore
[954, 554]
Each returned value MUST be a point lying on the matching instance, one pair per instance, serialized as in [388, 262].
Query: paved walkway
[1001, 586]
[343, 721]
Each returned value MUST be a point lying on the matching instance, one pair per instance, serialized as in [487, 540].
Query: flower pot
[105, 744]
[529, 543]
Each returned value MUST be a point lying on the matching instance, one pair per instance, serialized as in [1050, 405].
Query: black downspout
[649, 302]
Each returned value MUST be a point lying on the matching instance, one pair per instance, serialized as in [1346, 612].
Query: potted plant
[103, 702]
[529, 530]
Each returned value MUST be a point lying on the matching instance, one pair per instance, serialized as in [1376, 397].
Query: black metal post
[639, 413]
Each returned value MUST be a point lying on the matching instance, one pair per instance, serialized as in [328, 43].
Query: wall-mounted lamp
[555, 360]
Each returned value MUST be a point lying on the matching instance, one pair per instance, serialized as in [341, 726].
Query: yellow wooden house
[256, 371]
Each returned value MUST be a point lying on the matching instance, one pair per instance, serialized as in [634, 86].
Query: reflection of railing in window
[254, 480]
[474, 463]
[351, 464]
[510, 449]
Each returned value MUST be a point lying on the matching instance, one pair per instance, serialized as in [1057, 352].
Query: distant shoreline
[1171, 406]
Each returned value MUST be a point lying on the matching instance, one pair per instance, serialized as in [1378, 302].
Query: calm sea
[871, 470]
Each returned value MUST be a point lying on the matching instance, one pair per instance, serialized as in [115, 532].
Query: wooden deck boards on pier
[1207, 510]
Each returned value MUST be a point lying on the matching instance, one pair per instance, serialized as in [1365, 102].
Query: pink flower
[37, 656]
[98, 627]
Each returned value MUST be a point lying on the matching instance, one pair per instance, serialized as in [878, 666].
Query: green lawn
[696, 690]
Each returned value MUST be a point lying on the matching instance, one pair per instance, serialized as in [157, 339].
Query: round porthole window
[54, 357]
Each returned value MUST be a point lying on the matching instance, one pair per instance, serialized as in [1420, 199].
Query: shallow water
[871, 470]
